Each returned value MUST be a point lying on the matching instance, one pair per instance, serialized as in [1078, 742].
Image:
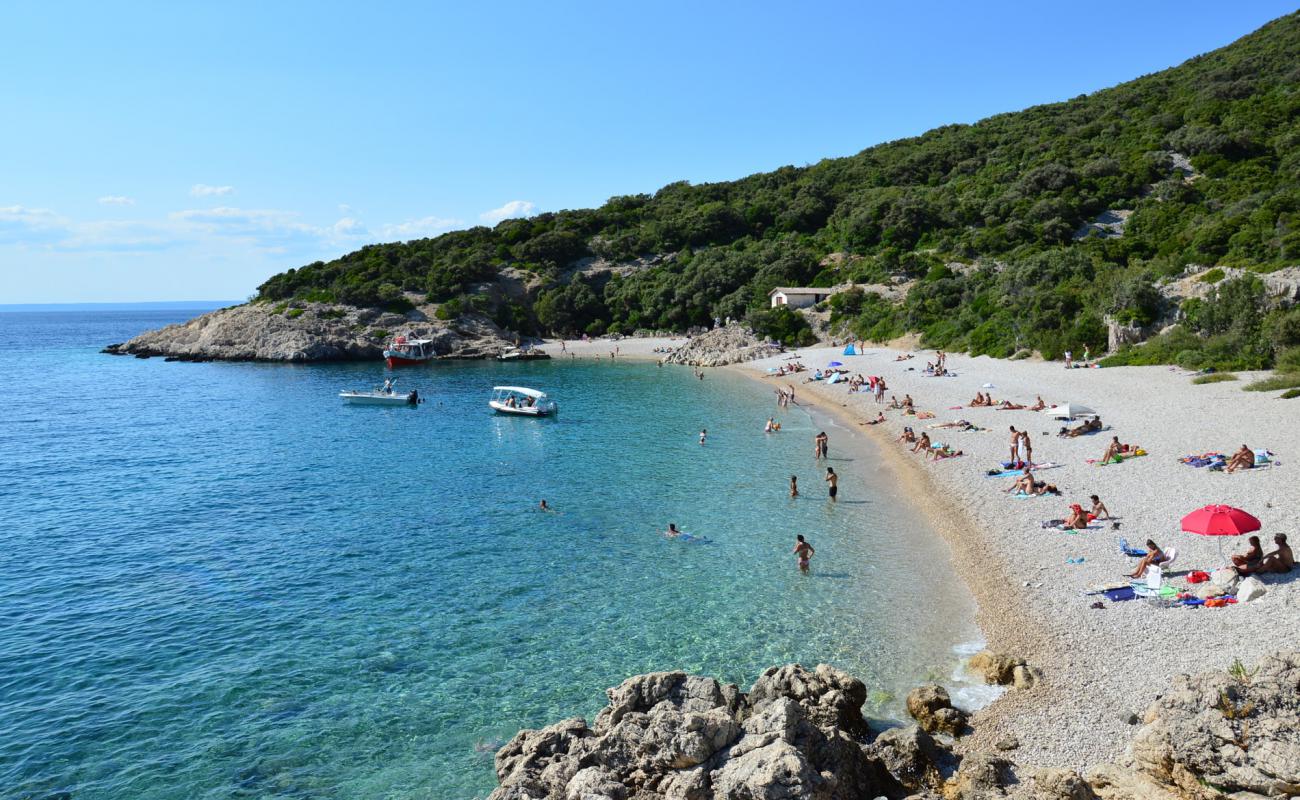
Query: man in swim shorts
[804, 551]
[833, 482]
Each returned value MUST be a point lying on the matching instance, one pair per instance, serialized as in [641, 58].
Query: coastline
[1101, 668]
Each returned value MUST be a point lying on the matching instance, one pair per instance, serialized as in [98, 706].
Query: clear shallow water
[218, 581]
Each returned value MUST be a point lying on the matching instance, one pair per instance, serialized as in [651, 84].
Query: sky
[179, 151]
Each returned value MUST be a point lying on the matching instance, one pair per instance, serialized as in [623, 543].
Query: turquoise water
[218, 581]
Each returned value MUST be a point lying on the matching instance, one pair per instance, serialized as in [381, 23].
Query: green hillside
[1015, 189]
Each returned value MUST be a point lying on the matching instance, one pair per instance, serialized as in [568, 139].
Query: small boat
[523, 354]
[522, 401]
[404, 352]
[382, 396]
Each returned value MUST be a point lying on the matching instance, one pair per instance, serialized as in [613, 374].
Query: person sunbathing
[1077, 518]
[943, 452]
[1089, 426]
[1043, 488]
[1249, 560]
[957, 423]
[1242, 459]
[1007, 405]
[1279, 561]
[893, 402]
[907, 436]
[1114, 450]
[880, 417]
[1154, 556]
[1099, 510]
[907, 403]
[1024, 484]
[978, 401]
[922, 444]
[1039, 406]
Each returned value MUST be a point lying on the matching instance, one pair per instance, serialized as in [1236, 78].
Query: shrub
[1290, 394]
[378, 333]
[332, 313]
[1288, 360]
[1216, 377]
[294, 313]
[782, 324]
[1213, 276]
[1280, 380]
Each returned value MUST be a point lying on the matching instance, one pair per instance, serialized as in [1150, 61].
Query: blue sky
[165, 151]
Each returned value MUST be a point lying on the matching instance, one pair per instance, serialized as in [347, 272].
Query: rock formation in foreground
[730, 344]
[311, 332]
[800, 735]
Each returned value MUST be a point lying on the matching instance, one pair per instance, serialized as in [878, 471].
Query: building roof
[801, 290]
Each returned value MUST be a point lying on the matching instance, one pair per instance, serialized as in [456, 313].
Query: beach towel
[1198, 577]
[1119, 595]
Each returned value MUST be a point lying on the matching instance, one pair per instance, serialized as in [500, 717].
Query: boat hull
[376, 399]
[394, 361]
[526, 411]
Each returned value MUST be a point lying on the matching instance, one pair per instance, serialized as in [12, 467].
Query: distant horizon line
[159, 305]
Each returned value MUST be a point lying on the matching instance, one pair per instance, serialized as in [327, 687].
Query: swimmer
[672, 531]
[804, 551]
[704, 434]
[543, 507]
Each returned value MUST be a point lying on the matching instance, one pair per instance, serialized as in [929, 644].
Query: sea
[219, 581]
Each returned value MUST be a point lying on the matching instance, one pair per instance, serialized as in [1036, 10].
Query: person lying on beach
[922, 444]
[1154, 556]
[1279, 561]
[1024, 484]
[1099, 510]
[1007, 405]
[1039, 406]
[1042, 488]
[944, 451]
[957, 423]
[904, 357]
[880, 417]
[907, 436]
[1242, 459]
[1087, 427]
[1249, 560]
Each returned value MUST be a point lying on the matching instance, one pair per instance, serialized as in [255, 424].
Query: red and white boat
[404, 352]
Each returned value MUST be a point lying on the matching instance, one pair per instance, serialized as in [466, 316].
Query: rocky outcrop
[1222, 733]
[729, 344]
[670, 735]
[932, 709]
[311, 332]
[1003, 670]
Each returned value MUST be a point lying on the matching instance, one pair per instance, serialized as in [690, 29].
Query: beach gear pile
[1205, 460]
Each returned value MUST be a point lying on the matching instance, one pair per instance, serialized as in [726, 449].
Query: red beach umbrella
[1220, 520]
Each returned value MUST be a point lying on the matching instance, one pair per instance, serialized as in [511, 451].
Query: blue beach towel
[1118, 595]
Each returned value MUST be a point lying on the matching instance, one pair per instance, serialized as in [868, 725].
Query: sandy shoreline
[1100, 665]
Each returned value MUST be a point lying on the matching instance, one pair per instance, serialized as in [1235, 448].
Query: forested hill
[1205, 156]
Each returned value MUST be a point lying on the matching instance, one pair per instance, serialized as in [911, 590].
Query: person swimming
[804, 552]
[672, 531]
[704, 434]
[542, 506]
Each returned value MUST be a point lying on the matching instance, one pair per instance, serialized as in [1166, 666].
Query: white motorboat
[382, 396]
[523, 354]
[522, 401]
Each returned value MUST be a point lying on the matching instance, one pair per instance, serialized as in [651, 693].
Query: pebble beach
[1101, 667]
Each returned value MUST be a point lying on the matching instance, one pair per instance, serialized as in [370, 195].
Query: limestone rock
[932, 709]
[914, 758]
[672, 735]
[980, 776]
[1062, 784]
[730, 344]
[311, 332]
[998, 668]
[1251, 588]
[1233, 733]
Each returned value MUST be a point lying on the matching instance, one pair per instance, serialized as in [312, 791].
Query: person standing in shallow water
[794, 486]
[832, 483]
[804, 552]
[821, 444]
[704, 434]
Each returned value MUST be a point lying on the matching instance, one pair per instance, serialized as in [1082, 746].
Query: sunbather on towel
[1154, 556]
[1279, 561]
[1242, 459]
[1087, 427]
[1115, 449]
[1025, 483]
[1077, 518]
[908, 435]
[1249, 560]
[1007, 405]
[922, 444]
[1044, 488]
[1099, 510]
[1039, 406]
[943, 451]
[957, 423]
